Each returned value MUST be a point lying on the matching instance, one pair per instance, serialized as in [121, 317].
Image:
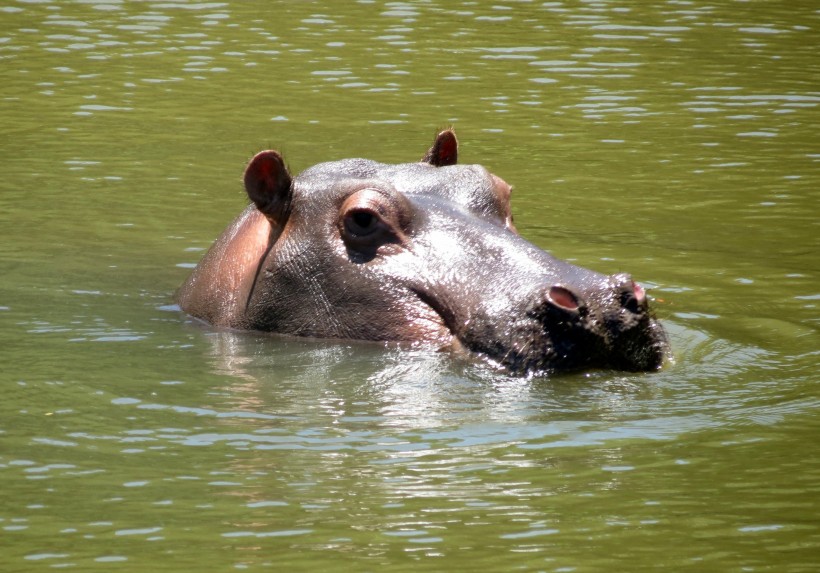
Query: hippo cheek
[519, 344]
[422, 324]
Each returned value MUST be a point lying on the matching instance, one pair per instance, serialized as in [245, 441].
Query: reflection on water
[437, 396]
[676, 141]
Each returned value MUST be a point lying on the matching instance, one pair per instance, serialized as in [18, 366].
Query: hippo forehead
[464, 184]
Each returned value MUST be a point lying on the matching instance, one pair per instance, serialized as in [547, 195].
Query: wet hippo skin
[422, 252]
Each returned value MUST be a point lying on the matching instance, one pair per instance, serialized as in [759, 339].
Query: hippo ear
[267, 183]
[444, 150]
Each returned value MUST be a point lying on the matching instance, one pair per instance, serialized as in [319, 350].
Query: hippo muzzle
[420, 252]
[607, 327]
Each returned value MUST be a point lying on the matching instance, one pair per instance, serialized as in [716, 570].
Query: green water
[675, 140]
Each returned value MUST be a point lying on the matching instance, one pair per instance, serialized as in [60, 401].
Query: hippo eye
[370, 221]
[361, 222]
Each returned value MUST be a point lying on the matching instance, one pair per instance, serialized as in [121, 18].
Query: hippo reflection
[420, 252]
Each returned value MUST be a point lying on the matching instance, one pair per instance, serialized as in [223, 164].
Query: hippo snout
[566, 327]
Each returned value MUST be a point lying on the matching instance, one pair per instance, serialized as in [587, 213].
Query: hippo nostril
[564, 298]
[640, 294]
[633, 298]
[630, 295]
[630, 303]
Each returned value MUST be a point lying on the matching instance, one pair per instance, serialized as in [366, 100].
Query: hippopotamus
[423, 253]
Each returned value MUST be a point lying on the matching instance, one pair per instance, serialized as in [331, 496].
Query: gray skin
[420, 252]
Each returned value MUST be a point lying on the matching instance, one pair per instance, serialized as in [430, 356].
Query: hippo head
[420, 252]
